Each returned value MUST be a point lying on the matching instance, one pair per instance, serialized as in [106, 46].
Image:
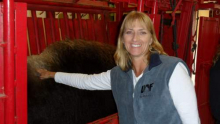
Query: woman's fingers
[43, 73]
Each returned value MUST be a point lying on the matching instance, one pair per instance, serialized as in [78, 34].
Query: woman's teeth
[135, 45]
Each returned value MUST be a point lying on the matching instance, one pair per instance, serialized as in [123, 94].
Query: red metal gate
[207, 42]
[13, 51]
[44, 31]
[13, 63]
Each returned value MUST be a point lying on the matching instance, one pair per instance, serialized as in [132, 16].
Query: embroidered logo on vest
[149, 86]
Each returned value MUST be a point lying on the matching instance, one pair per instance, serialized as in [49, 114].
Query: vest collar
[154, 60]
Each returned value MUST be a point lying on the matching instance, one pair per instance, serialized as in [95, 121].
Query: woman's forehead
[133, 23]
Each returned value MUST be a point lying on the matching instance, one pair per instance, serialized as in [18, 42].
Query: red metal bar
[8, 37]
[128, 9]
[155, 8]
[99, 29]
[21, 63]
[183, 28]
[41, 35]
[76, 28]
[112, 32]
[2, 45]
[70, 24]
[206, 51]
[106, 28]
[67, 9]
[155, 18]
[104, 24]
[58, 36]
[34, 18]
[209, 5]
[73, 34]
[51, 16]
[66, 24]
[59, 4]
[174, 11]
[63, 31]
[48, 30]
[85, 31]
[91, 27]
[93, 3]
[140, 5]
[31, 36]
[80, 24]
[49, 1]
[119, 13]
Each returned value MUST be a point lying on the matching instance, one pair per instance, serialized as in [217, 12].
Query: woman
[214, 86]
[148, 86]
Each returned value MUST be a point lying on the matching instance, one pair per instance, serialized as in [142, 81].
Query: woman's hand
[45, 74]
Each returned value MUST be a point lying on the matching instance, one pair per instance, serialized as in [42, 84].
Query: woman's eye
[128, 32]
[143, 32]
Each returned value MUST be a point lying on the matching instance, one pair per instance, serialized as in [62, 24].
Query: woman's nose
[135, 37]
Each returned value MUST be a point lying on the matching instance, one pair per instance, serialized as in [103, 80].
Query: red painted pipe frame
[141, 5]
[8, 37]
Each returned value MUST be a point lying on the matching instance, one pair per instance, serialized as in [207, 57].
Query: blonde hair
[122, 57]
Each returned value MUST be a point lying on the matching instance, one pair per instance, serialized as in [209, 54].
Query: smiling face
[137, 39]
[135, 36]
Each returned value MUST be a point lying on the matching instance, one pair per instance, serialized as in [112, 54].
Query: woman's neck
[139, 66]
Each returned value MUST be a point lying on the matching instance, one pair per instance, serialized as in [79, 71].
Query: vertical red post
[66, 24]
[34, 18]
[106, 20]
[183, 29]
[119, 11]
[155, 18]
[9, 38]
[52, 16]
[92, 33]
[21, 63]
[2, 45]
[140, 5]
[206, 51]
[80, 24]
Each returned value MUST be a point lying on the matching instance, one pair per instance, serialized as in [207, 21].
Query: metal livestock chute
[48, 21]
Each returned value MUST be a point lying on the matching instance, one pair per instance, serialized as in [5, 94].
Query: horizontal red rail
[67, 8]
[61, 5]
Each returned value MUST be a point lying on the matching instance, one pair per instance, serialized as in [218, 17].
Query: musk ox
[53, 103]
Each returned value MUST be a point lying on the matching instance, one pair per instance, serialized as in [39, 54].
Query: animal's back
[53, 103]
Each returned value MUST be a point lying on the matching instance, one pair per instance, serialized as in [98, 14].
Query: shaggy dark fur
[53, 103]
